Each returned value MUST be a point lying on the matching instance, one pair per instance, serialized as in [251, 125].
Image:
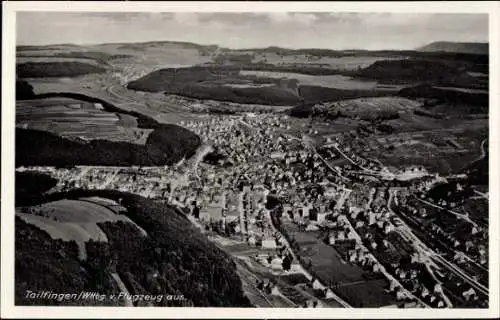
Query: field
[441, 150]
[342, 63]
[124, 63]
[73, 118]
[367, 108]
[163, 108]
[73, 220]
[388, 130]
[129, 61]
[327, 81]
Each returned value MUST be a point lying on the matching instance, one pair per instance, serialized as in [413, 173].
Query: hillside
[215, 83]
[372, 109]
[143, 121]
[64, 128]
[409, 70]
[450, 96]
[166, 145]
[456, 47]
[225, 83]
[173, 259]
[56, 69]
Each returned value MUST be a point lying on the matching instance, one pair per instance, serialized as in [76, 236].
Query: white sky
[243, 30]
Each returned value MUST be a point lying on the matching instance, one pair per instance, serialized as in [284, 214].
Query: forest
[165, 146]
[56, 69]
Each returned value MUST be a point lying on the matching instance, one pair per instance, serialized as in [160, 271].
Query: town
[276, 195]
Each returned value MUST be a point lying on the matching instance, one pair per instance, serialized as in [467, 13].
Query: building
[269, 243]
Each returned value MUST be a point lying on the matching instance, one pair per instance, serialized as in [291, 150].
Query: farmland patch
[75, 118]
[327, 81]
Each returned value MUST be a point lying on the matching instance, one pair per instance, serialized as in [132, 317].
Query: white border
[7, 190]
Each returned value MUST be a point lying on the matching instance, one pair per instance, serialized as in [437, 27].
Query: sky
[371, 31]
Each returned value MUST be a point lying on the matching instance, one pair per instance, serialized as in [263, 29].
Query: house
[269, 243]
[425, 292]
[413, 274]
[252, 241]
[306, 209]
[392, 285]
[469, 294]
[332, 238]
[400, 295]
[287, 208]
[204, 215]
[387, 228]
[275, 291]
[352, 256]
[321, 217]
[341, 235]
[312, 227]
[278, 155]
[351, 235]
[237, 228]
[329, 294]
[317, 285]
[277, 264]
[297, 217]
[432, 298]
[372, 219]
[438, 288]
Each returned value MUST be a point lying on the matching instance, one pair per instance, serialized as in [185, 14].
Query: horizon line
[244, 48]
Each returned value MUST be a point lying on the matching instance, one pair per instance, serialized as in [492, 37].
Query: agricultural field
[161, 107]
[127, 60]
[74, 220]
[387, 130]
[367, 108]
[78, 119]
[445, 151]
[327, 81]
[341, 62]
[123, 63]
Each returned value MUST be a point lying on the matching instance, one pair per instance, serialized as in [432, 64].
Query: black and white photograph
[256, 159]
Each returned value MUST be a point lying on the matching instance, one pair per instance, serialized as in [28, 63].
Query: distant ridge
[458, 47]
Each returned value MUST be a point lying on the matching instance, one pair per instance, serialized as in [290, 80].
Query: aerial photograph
[252, 159]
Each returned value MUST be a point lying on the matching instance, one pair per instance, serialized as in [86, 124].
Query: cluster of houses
[259, 161]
